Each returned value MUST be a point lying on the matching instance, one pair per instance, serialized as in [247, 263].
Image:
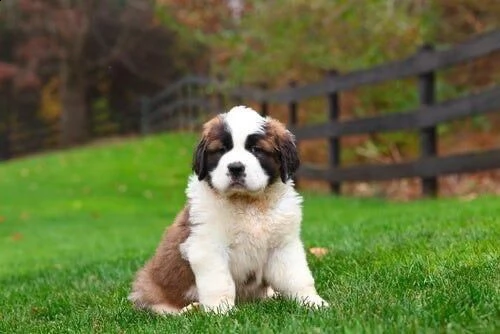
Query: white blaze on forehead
[243, 121]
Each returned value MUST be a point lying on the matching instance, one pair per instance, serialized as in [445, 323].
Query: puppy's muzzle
[236, 170]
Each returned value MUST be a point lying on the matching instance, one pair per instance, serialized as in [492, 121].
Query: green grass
[75, 226]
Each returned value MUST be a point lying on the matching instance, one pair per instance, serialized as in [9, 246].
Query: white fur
[229, 239]
[241, 121]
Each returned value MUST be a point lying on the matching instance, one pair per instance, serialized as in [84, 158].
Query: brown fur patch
[276, 131]
[246, 200]
[285, 143]
[212, 128]
[268, 144]
[214, 138]
[214, 145]
[167, 277]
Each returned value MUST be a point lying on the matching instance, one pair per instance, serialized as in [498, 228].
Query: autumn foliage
[83, 65]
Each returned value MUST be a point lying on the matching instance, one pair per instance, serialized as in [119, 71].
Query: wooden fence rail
[423, 65]
[424, 117]
[24, 138]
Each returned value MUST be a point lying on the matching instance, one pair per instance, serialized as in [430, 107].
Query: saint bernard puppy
[238, 236]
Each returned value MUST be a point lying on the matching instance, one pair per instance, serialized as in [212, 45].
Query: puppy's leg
[147, 294]
[287, 271]
[164, 309]
[215, 285]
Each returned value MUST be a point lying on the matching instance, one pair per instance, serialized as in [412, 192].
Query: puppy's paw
[313, 301]
[193, 307]
[270, 293]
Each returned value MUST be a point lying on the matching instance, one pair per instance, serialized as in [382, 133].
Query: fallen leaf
[17, 236]
[318, 251]
[2, 219]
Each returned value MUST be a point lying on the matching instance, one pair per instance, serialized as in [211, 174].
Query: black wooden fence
[183, 105]
[200, 96]
[28, 136]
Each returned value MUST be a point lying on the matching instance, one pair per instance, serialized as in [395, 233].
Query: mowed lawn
[75, 226]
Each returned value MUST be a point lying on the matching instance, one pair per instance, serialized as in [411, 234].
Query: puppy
[238, 236]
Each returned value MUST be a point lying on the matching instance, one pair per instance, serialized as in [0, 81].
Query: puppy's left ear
[200, 160]
[289, 156]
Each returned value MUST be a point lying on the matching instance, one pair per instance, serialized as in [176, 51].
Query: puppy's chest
[250, 239]
[252, 229]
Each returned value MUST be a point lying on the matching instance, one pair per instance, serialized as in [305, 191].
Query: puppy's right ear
[200, 159]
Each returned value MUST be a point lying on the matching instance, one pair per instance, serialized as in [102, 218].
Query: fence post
[428, 144]
[292, 107]
[4, 143]
[198, 93]
[293, 119]
[145, 105]
[263, 104]
[220, 95]
[333, 142]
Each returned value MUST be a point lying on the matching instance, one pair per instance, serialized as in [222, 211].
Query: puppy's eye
[256, 149]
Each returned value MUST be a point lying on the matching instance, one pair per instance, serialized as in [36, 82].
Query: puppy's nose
[236, 168]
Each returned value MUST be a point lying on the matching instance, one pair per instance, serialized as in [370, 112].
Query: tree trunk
[5, 117]
[73, 103]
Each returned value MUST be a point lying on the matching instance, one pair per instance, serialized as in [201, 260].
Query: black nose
[236, 168]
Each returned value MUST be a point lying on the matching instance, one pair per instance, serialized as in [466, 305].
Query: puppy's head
[241, 152]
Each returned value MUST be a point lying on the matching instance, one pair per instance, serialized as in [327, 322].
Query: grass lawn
[75, 226]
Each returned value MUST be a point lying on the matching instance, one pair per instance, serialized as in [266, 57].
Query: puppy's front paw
[270, 293]
[313, 301]
[193, 307]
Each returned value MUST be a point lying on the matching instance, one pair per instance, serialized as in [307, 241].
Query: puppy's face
[242, 152]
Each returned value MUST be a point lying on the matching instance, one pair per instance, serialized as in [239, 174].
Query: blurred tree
[89, 44]
[275, 41]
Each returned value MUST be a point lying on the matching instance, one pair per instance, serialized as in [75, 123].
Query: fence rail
[424, 167]
[426, 116]
[424, 61]
[423, 64]
[24, 137]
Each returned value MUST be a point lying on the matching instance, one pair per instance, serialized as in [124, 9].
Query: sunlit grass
[75, 226]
